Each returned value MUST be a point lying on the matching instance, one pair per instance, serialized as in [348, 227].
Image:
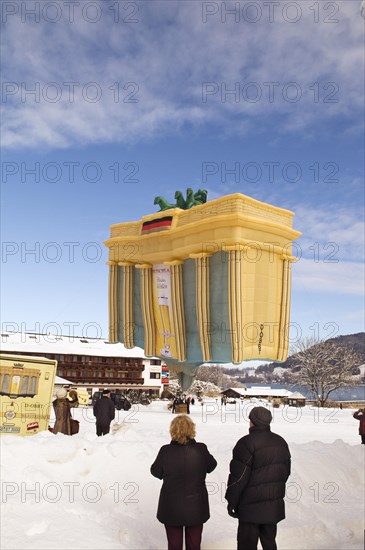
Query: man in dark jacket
[256, 485]
[104, 411]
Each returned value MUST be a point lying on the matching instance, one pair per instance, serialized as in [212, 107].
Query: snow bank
[87, 492]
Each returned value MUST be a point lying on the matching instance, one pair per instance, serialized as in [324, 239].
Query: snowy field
[62, 492]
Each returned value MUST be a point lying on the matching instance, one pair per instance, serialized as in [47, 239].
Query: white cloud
[340, 278]
[360, 314]
[331, 233]
[168, 54]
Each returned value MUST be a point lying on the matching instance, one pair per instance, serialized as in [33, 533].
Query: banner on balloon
[165, 344]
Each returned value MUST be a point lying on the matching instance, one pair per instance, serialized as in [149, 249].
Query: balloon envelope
[209, 284]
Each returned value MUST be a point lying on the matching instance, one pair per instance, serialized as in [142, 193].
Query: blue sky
[136, 99]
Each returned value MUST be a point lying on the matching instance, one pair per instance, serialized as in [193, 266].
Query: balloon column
[203, 282]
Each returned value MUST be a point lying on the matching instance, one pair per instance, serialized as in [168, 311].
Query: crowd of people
[259, 469]
[182, 400]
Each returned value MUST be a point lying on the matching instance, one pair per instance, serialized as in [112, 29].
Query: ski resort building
[92, 363]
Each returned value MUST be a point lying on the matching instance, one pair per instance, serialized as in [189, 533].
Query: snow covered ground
[97, 493]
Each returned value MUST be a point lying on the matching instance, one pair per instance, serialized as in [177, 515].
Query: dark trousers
[193, 537]
[249, 534]
[102, 429]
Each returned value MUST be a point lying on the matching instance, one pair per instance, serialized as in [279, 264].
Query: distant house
[92, 363]
[296, 399]
[265, 392]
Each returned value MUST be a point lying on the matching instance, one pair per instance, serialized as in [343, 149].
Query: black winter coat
[258, 471]
[184, 497]
[360, 415]
[104, 410]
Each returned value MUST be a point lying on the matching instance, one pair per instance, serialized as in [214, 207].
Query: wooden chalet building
[92, 363]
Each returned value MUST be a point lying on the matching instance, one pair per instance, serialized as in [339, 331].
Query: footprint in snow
[37, 529]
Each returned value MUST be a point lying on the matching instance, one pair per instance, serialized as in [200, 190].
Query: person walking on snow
[104, 411]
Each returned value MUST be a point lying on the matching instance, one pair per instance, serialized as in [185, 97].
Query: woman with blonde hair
[183, 503]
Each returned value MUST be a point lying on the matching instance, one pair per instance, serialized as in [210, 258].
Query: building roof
[58, 380]
[297, 395]
[263, 391]
[26, 342]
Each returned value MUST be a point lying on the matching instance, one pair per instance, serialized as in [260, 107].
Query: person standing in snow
[62, 408]
[104, 411]
[188, 401]
[175, 402]
[183, 503]
[360, 415]
[255, 492]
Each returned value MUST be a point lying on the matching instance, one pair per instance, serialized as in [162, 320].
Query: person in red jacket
[360, 415]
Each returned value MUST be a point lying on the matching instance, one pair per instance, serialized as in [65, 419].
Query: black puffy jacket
[104, 410]
[360, 415]
[258, 471]
[184, 497]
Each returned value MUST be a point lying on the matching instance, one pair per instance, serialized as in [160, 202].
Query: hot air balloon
[204, 282]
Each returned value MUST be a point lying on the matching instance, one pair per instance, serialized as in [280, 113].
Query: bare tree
[324, 367]
[201, 388]
[213, 374]
[174, 386]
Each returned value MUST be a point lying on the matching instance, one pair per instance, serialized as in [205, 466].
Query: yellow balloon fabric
[208, 284]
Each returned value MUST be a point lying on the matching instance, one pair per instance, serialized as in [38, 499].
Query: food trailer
[26, 389]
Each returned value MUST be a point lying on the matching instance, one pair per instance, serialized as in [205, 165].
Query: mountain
[355, 342]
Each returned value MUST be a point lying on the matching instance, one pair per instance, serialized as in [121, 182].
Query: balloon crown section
[192, 199]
